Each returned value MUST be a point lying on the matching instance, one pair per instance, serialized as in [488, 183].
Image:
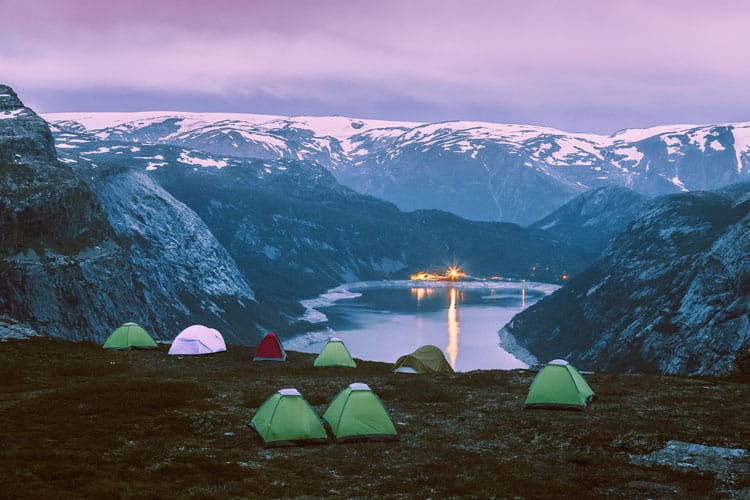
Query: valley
[477, 170]
[236, 220]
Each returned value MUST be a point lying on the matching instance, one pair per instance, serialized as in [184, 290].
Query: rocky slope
[76, 263]
[594, 218]
[184, 273]
[671, 294]
[481, 171]
[62, 270]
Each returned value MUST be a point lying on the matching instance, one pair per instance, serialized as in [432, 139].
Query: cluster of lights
[453, 273]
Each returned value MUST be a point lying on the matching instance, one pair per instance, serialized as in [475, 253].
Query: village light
[454, 273]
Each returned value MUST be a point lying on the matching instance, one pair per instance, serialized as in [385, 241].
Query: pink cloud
[536, 55]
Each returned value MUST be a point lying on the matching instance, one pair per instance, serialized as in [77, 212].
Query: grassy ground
[79, 421]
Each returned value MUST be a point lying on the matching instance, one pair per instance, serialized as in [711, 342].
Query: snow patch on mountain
[203, 162]
[478, 170]
[6, 115]
[741, 144]
[639, 134]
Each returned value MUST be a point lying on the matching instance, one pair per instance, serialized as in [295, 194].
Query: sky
[577, 65]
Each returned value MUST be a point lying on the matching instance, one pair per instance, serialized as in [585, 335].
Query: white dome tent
[198, 339]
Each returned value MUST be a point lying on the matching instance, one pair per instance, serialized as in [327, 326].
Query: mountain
[671, 294]
[594, 218]
[477, 170]
[185, 274]
[97, 231]
[63, 269]
[294, 231]
[78, 259]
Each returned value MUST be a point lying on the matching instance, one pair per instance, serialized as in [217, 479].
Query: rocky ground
[78, 421]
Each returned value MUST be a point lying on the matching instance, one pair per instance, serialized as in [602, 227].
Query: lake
[380, 321]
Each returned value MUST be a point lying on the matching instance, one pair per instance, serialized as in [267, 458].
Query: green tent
[356, 413]
[335, 353]
[287, 419]
[559, 385]
[426, 359]
[130, 336]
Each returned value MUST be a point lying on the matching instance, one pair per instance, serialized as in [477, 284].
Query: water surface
[381, 321]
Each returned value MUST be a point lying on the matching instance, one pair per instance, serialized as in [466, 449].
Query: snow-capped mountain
[231, 219]
[671, 294]
[478, 170]
[99, 231]
[294, 231]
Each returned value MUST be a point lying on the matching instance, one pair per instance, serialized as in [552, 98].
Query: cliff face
[671, 294]
[186, 276]
[62, 270]
[76, 263]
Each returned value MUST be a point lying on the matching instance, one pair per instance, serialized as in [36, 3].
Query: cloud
[507, 54]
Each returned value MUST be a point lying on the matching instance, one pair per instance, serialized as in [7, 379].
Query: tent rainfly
[129, 336]
[270, 349]
[287, 419]
[426, 359]
[198, 339]
[559, 385]
[335, 353]
[358, 414]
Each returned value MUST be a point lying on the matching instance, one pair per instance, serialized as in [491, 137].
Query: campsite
[82, 421]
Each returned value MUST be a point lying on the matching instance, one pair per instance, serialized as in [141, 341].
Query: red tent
[270, 349]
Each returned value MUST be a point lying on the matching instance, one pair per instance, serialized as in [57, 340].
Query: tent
[335, 353]
[287, 419]
[426, 359]
[198, 339]
[356, 413]
[270, 349]
[558, 385]
[130, 335]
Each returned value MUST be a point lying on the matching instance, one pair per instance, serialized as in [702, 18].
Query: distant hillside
[594, 218]
[671, 294]
[294, 231]
[477, 170]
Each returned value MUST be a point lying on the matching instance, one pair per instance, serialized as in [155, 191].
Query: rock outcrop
[594, 218]
[670, 295]
[76, 263]
[62, 270]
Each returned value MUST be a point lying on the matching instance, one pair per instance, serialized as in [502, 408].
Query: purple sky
[594, 65]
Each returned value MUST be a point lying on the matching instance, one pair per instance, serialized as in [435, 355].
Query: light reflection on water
[453, 329]
[382, 324]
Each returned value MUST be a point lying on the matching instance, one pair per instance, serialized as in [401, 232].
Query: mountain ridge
[670, 294]
[478, 170]
[196, 237]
